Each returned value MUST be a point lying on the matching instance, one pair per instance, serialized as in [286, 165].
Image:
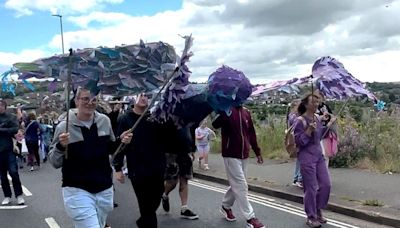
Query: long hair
[302, 106]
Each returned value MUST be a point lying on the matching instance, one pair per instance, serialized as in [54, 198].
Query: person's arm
[253, 137]
[302, 132]
[11, 127]
[213, 133]
[219, 120]
[198, 135]
[118, 161]
[57, 151]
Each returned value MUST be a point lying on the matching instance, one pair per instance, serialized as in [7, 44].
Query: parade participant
[86, 171]
[238, 134]
[179, 169]
[315, 174]
[145, 157]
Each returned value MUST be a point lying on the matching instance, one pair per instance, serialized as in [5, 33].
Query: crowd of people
[158, 157]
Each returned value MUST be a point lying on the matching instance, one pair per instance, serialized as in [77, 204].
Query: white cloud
[27, 7]
[264, 50]
[8, 58]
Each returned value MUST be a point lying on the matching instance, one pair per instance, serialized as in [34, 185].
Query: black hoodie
[146, 153]
[8, 128]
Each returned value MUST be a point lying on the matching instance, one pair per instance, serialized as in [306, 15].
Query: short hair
[79, 91]
[31, 116]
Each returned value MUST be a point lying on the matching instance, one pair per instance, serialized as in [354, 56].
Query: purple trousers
[317, 187]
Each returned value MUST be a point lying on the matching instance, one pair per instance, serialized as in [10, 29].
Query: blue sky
[267, 40]
[24, 32]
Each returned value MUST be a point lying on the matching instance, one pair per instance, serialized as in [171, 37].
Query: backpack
[290, 144]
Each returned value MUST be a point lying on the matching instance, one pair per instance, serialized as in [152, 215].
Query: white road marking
[16, 207]
[24, 189]
[267, 202]
[52, 222]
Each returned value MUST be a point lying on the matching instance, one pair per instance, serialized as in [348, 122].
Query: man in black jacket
[8, 160]
[145, 157]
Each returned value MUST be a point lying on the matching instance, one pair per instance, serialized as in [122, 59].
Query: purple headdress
[175, 92]
[227, 88]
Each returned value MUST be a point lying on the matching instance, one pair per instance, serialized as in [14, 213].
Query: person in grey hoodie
[83, 154]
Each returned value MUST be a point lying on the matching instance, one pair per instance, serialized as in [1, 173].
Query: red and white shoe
[254, 223]
[228, 214]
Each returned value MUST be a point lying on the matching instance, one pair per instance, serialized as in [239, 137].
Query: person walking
[8, 160]
[32, 134]
[238, 134]
[83, 154]
[179, 168]
[316, 180]
[145, 158]
[203, 137]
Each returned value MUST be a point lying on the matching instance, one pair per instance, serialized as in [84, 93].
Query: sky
[266, 39]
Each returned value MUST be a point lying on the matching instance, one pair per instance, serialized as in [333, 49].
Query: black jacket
[8, 128]
[146, 153]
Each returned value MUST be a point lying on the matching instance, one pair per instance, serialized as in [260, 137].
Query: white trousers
[236, 170]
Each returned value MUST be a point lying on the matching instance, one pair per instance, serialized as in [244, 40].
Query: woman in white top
[203, 137]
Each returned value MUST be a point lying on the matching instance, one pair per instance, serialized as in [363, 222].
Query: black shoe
[165, 203]
[188, 214]
[115, 205]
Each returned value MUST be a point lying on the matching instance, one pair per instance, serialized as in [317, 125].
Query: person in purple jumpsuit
[316, 181]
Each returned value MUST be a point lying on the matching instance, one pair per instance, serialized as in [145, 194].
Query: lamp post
[61, 26]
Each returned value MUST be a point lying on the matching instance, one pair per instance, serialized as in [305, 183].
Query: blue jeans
[8, 164]
[297, 174]
[88, 210]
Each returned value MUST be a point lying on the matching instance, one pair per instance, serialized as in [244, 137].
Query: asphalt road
[44, 207]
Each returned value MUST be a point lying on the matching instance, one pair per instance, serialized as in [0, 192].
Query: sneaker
[254, 223]
[32, 168]
[321, 218]
[228, 214]
[313, 223]
[6, 201]
[165, 203]
[20, 200]
[299, 184]
[188, 214]
[206, 167]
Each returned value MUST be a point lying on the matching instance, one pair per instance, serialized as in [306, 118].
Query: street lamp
[61, 26]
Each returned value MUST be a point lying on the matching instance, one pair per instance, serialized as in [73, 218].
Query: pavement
[351, 188]
[44, 207]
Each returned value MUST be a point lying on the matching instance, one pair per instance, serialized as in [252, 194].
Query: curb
[340, 209]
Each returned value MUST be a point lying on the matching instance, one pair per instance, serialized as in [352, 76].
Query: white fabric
[236, 170]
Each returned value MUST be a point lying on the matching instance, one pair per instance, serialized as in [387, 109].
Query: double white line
[271, 203]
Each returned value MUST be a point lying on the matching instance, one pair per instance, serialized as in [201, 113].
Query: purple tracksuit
[316, 181]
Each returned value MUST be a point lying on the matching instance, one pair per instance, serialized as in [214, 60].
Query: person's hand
[126, 137]
[332, 121]
[192, 156]
[260, 159]
[312, 126]
[64, 139]
[120, 177]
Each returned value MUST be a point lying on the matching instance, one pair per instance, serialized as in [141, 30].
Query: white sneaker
[32, 169]
[20, 200]
[206, 167]
[6, 201]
